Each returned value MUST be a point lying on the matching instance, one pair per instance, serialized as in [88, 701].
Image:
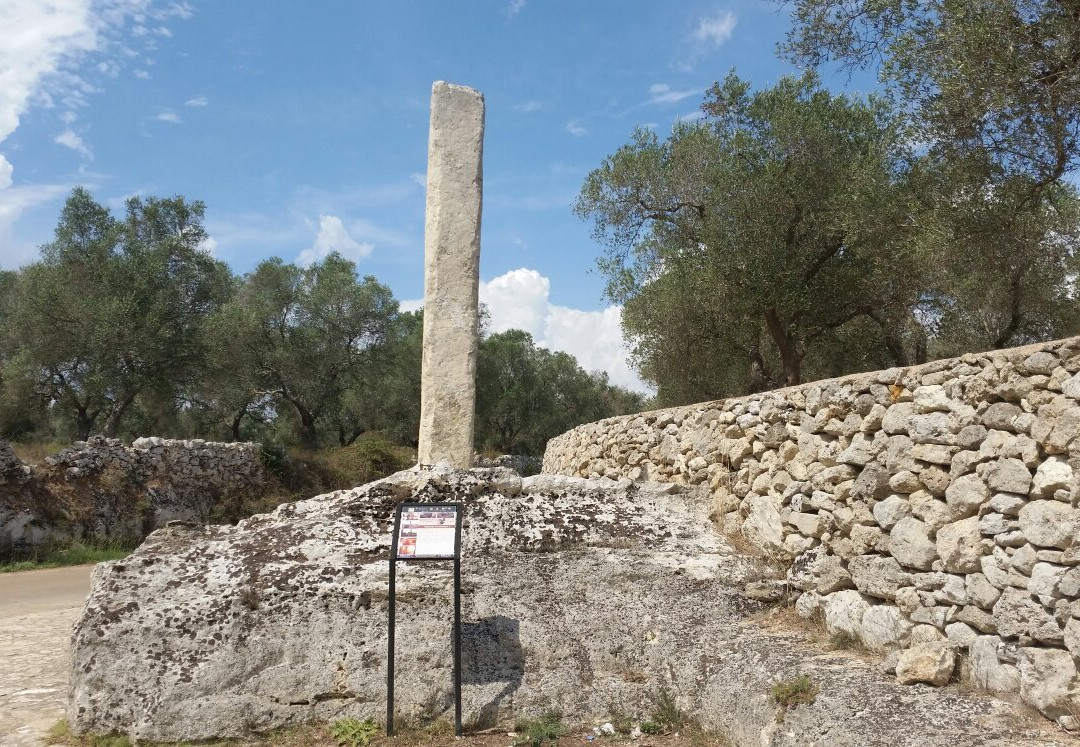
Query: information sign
[428, 532]
[425, 531]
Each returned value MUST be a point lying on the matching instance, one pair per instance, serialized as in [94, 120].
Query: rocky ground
[580, 595]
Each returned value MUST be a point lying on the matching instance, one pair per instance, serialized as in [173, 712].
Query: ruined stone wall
[104, 490]
[924, 510]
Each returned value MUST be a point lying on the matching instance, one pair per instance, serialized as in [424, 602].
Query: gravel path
[37, 610]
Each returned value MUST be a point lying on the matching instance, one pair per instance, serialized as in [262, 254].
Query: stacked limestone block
[929, 511]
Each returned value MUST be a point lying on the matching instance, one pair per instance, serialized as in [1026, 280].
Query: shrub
[351, 732]
[545, 730]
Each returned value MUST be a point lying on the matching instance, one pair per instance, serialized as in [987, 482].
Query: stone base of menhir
[580, 595]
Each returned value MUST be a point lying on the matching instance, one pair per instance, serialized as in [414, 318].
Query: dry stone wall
[926, 512]
[104, 489]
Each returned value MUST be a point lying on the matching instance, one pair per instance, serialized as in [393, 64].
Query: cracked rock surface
[577, 594]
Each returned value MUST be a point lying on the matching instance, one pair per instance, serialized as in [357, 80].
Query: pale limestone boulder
[970, 436]
[910, 544]
[1072, 636]
[1049, 523]
[883, 628]
[933, 428]
[1048, 681]
[1045, 581]
[1008, 504]
[1017, 614]
[936, 480]
[818, 570]
[977, 618]
[1071, 387]
[762, 525]
[1024, 559]
[878, 575]
[933, 512]
[932, 663]
[960, 634]
[931, 398]
[904, 481]
[980, 591]
[844, 612]
[1001, 416]
[960, 545]
[1008, 476]
[987, 671]
[1052, 475]
[891, 510]
[897, 418]
[966, 495]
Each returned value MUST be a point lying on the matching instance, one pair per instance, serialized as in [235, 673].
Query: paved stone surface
[37, 610]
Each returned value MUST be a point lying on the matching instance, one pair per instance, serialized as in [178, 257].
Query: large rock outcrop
[578, 594]
[947, 492]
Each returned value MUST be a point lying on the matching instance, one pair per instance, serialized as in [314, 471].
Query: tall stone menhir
[451, 275]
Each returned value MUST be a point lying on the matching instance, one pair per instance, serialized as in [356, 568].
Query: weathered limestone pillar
[451, 275]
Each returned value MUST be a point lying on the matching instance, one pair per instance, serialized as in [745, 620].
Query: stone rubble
[946, 493]
[120, 492]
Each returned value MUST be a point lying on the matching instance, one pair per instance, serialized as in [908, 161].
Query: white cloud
[13, 202]
[529, 106]
[44, 42]
[693, 116]
[575, 128]
[167, 116]
[420, 179]
[209, 245]
[141, 75]
[661, 93]
[520, 299]
[197, 101]
[334, 237]
[514, 7]
[69, 139]
[412, 304]
[716, 30]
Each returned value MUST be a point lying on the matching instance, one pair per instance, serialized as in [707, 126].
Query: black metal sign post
[422, 532]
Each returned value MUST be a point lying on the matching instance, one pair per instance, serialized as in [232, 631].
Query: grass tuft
[794, 692]
[79, 553]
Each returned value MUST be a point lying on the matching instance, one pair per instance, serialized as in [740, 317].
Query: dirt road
[37, 609]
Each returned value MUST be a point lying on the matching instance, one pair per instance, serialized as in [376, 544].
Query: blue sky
[303, 126]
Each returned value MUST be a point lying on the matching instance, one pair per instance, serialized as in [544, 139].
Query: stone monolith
[451, 274]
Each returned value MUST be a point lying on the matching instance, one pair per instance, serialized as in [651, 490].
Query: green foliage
[788, 694]
[651, 727]
[527, 395]
[795, 234]
[114, 310]
[370, 457]
[351, 732]
[77, 553]
[740, 243]
[542, 731]
[996, 80]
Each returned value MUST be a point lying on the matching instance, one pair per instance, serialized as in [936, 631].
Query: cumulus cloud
[334, 237]
[520, 299]
[142, 75]
[70, 139]
[661, 93]
[197, 101]
[168, 116]
[715, 30]
[575, 128]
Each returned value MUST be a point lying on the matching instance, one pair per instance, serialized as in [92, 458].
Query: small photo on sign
[427, 532]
